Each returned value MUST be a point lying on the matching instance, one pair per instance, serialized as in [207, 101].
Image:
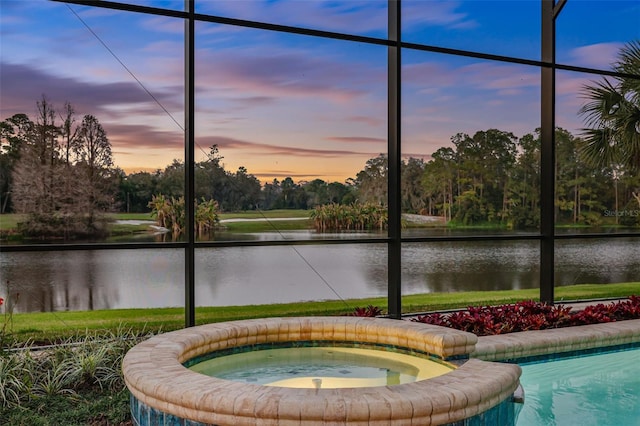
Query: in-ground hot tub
[308, 365]
[164, 391]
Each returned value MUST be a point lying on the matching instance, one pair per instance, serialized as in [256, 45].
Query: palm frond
[603, 101]
[612, 114]
[629, 59]
[597, 147]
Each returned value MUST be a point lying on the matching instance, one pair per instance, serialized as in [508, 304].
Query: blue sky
[288, 105]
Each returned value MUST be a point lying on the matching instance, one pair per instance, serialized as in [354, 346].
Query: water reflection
[465, 266]
[252, 275]
[84, 280]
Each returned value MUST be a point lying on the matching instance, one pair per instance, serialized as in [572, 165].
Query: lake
[145, 278]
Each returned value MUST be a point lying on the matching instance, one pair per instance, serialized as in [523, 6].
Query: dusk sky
[300, 106]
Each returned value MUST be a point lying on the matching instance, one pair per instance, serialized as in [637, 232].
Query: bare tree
[34, 174]
[69, 133]
[62, 178]
[94, 166]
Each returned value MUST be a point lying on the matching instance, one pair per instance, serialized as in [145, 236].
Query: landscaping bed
[79, 382]
[531, 315]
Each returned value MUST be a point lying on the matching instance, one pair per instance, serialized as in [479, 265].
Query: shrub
[15, 379]
[531, 315]
[355, 216]
[369, 311]
[91, 363]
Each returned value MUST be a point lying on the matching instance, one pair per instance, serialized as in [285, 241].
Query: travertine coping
[556, 341]
[155, 375]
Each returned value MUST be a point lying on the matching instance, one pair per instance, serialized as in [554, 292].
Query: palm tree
[612, 113]
[160, 208]
[206, 218]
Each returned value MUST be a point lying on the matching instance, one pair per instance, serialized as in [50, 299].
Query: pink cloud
[123, 137]
[225, 143]
[23, 85]
[434, 76]
[279, 74]
[487, 75]
[369, 120]
[428, 74]
[570, 83]
[355, 139]
[600, 55]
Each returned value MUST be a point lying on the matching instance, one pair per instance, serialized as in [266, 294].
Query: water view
[145, 278]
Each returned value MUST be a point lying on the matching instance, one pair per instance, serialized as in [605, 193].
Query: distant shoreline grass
[9, 221]
[43, 327]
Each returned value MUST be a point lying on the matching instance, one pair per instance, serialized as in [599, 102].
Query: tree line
[58, 169]
[62, 175]
[491, 177]
[233, 191]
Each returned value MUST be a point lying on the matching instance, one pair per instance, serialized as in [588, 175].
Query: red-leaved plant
[531, 315]
[369, 311]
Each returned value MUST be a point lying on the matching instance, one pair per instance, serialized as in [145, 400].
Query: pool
[598, 390]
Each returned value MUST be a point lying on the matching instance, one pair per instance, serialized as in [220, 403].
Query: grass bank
[10, 220]
[254, 214]
[249, 221]
[56, 326]
[238, 222]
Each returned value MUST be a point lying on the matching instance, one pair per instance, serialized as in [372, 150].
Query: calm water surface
[334, 367]
[80, 280]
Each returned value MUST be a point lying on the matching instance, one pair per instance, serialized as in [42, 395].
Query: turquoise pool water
[598, 390]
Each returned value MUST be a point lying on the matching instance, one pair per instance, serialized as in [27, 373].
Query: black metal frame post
[189, 163]
[394, 66]
[550, 11]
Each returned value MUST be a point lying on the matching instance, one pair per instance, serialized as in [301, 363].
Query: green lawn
[130, 216]
[10, 220]
[266, 213]
[266, 226]
[51, 326]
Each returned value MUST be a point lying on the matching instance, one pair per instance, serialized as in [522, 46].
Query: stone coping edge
[538, 343]
[155, 375]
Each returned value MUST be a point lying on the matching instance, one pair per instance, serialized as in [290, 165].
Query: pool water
[596, 390]
[321, 367]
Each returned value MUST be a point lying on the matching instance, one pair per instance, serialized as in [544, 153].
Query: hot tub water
[321, 367]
